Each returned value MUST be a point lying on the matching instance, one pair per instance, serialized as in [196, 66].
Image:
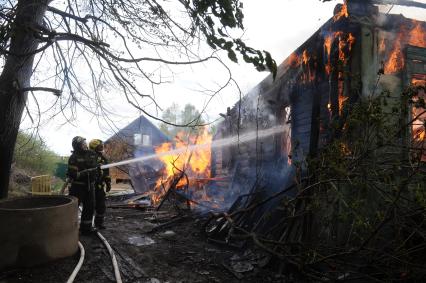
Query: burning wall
[317, 83]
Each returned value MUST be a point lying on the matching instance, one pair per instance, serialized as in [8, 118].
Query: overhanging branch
[68, 15]
[55, 91]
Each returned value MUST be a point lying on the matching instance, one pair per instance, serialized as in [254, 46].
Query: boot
[87, 229]
[99, 222]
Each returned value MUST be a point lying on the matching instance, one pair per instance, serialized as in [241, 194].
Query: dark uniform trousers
[103, 179]
[83, 184]
[100, 206]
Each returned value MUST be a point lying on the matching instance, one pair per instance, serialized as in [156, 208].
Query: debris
[146, 226]
[141, 241]
[203, 272]
[140, 200]
[235, 257]
[237, 275]
[242, 266]
[168, 223]
[153, 280]
[168, 234]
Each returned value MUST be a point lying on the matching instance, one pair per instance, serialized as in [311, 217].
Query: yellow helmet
[96, 145]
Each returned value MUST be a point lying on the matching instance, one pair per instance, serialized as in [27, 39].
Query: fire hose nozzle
[90, 170]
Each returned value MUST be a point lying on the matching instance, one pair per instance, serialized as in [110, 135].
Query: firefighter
[102, 183]
[83, 182]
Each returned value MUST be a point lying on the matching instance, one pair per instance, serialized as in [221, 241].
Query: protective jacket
[78, 162]
[103, 179]
[83, 183]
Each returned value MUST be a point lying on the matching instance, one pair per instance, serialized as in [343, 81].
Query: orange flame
[351, 41]
[345, 40]
[418, 125]
[342, 98]
[308, 74]
[327, 48]
[195, 163]
[294, 60]
[305, 57]
[343, 43]
[396, 59]
[416, 37]
[343, 13]
[345, 149]
[382, 46]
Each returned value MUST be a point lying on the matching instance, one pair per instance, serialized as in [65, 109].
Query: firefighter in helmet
[83, 180]
[102, 183]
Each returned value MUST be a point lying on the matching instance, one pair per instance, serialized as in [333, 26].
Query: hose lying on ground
[113, 258]
[79, 264]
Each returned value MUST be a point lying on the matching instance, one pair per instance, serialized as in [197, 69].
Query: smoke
[145, 175]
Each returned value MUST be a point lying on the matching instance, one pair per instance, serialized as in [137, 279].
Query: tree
[170, 114]
[189, 116]
[116, 43]
[32, 155]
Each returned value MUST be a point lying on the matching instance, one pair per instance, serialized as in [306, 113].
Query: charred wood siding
[301, 121]
[313, 96]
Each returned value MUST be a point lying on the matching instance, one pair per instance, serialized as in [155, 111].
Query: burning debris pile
[186, 174]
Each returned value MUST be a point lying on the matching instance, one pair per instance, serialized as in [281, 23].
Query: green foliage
[189, 116]
[32, 155]
[61, 169]
[207, 13]
[373, 182]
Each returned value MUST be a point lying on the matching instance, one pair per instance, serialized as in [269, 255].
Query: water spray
[215, 144]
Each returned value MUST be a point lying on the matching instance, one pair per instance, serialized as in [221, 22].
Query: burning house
[286, 121]
[137, 139]
[316, 85]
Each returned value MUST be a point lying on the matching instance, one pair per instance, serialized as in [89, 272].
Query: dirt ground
[165, 247]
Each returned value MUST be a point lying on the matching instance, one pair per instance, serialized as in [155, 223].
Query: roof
[141, 125]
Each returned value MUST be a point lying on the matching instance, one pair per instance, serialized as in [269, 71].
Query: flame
[342, 98]
[308, 74]
[327, 48]
[396, 59]
[195, 163]
[418, 81]
[382, 45]
[305, 57]
[294, 60]
[343, 43]
[418, 125]
[416, 36]
[343, 13]
[351, 41]
[345, 40]
[344, 148]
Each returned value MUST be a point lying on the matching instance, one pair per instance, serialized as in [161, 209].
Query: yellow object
[40, 185]
[93, 144]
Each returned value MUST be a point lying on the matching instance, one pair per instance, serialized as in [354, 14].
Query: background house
[137, 139]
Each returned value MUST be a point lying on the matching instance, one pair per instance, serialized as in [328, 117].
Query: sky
[278, 26]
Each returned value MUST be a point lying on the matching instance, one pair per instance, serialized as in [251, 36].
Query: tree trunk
[16, 75]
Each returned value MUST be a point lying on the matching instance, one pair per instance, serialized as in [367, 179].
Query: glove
[108, 186]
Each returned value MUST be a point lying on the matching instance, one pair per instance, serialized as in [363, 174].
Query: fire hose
[111, 253]
[79, 264]
[113, 258]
